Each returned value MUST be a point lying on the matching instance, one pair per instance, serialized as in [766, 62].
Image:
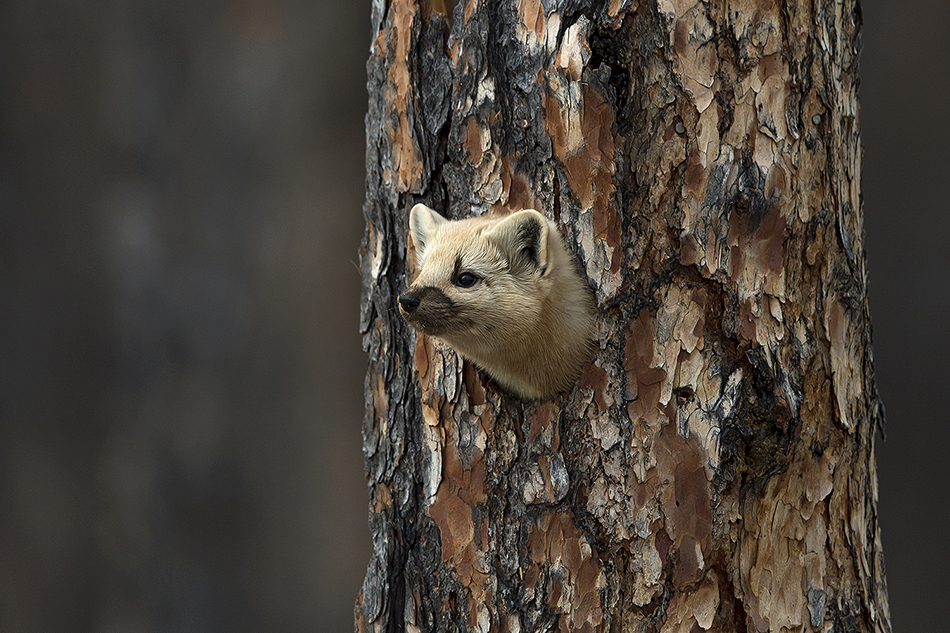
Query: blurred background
[181, 374]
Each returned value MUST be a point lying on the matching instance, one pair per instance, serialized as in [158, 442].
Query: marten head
[504, 292]
[482, 280]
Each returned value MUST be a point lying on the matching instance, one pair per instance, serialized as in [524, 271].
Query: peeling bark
[714, 468]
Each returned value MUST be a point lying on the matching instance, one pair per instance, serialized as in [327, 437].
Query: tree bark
[714, 468]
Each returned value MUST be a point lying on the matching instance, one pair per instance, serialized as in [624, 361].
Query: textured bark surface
[714, 468]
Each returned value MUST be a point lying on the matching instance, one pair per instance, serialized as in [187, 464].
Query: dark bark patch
[517, 189]
[473, 385]
[596, 378]
[573, 590]
[473, 141]
[686, 501]
[756, 439]
[757, 248]
[638, 355]
[404, 169]
[543, 423]
[589, 166]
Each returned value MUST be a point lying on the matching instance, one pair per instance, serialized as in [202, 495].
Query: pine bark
[714, 467]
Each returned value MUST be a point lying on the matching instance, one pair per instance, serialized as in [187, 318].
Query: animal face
[481, 280]
[502, 291]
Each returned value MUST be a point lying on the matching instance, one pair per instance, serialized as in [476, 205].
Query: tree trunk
[714, 468]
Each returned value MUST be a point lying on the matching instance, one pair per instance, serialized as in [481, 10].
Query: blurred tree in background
[181, 187]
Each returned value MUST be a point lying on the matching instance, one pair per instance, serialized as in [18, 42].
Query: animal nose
[409, 302]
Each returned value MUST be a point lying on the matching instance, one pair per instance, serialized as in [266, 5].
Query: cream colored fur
[529, 318]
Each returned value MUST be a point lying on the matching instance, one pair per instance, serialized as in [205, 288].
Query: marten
[505, 293]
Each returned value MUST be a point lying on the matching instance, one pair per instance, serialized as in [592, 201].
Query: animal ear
[423, 223]
[523, 237]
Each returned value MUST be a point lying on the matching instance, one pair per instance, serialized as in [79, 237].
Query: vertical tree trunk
[714, 468]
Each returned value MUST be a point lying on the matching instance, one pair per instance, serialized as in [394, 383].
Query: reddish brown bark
[714, 468]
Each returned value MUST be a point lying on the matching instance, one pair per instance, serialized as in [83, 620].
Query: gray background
[180, 369]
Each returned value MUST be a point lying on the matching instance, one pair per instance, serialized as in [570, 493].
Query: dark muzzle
[409, 302]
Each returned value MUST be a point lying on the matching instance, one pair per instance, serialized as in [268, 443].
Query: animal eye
[466, 280]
